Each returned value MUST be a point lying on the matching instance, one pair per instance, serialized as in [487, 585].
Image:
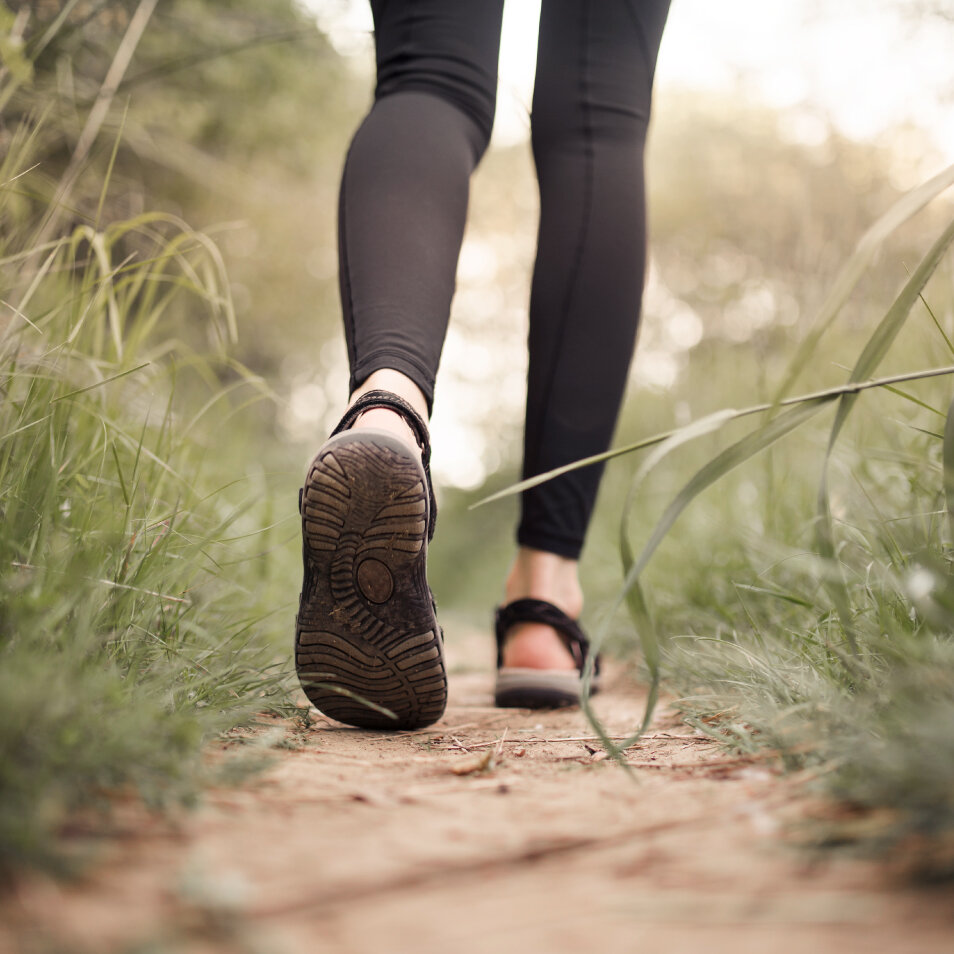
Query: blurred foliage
[137, 611]
[223, 117]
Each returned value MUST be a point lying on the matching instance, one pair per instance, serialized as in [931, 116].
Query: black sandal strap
[394, 402]
[540, 611]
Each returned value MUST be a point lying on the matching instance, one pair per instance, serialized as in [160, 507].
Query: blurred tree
[229, 110]
[754, 211]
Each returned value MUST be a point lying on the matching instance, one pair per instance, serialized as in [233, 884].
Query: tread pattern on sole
[366, 627]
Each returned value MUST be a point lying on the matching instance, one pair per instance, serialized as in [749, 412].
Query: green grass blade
[852, 387]
[871, 356]
[926, 432]
[635, 598]
[721, 465]
[908, 205]
[914, 400]
[99, 384]
[948, 462]
[108, 177]
[776, 594]
[11, 434]
[834, 583]
[119, 473]
[884, 335]
[36, 48]
[313, 681]
[716, 468]
[947, 341]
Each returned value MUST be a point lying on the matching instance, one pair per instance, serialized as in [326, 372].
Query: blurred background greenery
[231, 119]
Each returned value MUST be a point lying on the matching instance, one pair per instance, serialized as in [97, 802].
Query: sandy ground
[494, 831]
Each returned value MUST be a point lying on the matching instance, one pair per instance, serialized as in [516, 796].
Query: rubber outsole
[366, 636]
[518, 688]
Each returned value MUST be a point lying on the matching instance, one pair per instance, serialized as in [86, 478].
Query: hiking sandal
[524, 688]
[368, 647]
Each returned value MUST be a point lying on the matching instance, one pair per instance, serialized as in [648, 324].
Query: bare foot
[543, 576]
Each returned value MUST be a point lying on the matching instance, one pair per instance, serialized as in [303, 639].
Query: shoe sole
[366, 634]
[519, 688]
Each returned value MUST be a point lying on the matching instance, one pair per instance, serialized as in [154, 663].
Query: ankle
[387, 379]
[385, 419]
[537, 574]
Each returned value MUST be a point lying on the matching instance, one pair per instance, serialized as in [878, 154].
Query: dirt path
[356, 841]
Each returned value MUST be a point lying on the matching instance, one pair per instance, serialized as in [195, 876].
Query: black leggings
[403, 206]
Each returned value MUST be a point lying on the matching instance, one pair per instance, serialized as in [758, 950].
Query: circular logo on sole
[375, 581]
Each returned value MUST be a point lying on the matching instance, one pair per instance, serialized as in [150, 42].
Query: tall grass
[838, 650]
[127, 637]
[841, 653]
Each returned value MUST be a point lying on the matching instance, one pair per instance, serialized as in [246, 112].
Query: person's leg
[367, 630]
[404, 189]
[591, 107]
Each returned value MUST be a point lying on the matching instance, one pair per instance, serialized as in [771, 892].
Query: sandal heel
[368, 647]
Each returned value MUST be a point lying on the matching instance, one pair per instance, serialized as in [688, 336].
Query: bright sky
[860, 62]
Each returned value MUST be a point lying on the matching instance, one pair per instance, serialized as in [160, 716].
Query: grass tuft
[124, 646]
